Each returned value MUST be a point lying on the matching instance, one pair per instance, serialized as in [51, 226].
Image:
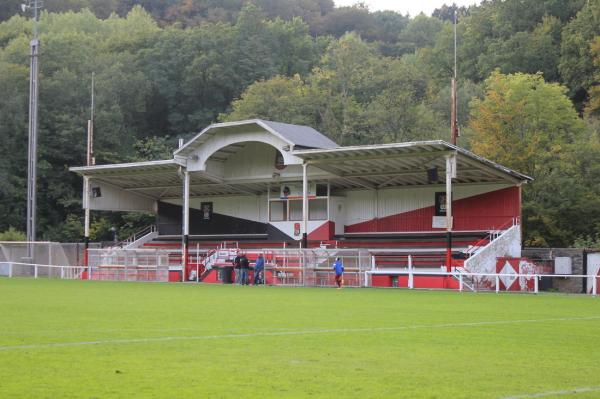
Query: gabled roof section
[301, 136]
[297, 136]
[406, 163]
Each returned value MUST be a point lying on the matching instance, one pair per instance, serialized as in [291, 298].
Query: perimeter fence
[286, 267]
[495, 282]
[312, 267]
[40, 259]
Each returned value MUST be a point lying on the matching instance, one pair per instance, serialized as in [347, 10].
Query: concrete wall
[571, 285]
[507, 245]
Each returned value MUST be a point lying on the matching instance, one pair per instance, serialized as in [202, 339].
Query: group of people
[241, 265]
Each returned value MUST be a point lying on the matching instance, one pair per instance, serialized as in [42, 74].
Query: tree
[447, 13]
[349, 19]
[576, 62]
[531, 126]
[593, 107]
[528, 52]
[422, 31]
[280, 98]
[355, 96]
[12, 235]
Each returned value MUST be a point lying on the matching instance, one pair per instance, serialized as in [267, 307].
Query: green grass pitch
[80, 339]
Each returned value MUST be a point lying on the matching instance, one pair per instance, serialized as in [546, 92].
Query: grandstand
[293, 194]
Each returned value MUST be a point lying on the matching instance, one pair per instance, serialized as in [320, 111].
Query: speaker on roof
[432, 175]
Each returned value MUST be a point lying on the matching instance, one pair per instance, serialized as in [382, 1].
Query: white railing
[507, 243]
[137, 236]
[491, 237]
[526, 282]
[132, 264]
[35, 270]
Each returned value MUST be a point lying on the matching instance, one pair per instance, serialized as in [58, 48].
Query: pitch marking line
[555, 393]
[290, 333]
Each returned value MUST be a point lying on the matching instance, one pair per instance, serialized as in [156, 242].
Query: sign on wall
[206, 208]
[440, 203]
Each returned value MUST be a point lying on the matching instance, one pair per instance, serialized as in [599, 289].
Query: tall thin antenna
[455, 41]
[90, 139]
[92, 106]
[86, 180]
[454, 133]
[34, 47]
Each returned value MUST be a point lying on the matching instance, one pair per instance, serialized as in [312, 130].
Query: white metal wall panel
[116, 199]
[255, 159]
[361, 205]
[223, 139]
[337, 213]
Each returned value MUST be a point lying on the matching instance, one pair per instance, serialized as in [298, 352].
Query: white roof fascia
[460, 150]
[82, 169]
[230, 124]
[369, 147]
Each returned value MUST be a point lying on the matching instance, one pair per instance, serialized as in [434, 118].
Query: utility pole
[454, 133]
[90, 161]
[451, 161]
[34, 47]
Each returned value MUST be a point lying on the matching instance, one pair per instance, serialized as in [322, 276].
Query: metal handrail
[136, 236]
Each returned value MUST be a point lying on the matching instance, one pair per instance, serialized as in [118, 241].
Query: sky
[412, 7]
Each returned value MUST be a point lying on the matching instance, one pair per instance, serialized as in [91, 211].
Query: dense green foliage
[166, 69]
[144, 340]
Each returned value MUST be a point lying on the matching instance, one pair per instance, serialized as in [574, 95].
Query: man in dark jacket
[244, 267]
[237, 267]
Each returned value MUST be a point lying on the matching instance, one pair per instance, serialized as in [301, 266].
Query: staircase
[481, 257]
[468, 281]
[223, 255]
[139, 238]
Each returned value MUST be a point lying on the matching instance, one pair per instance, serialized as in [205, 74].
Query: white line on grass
[289, 333]
[555, 393]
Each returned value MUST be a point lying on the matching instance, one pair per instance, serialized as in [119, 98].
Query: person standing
[244, 267]
[237, 267]
[259, 266]
[338, 267]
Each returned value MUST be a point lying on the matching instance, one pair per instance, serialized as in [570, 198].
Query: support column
[86, 223]
[305, 205]
[186, 223]
[450, 173]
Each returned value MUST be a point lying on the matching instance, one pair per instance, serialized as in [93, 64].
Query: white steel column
[186, 222]
[450, 173]
[86, 224]
[305, 205]
[328, 200]
[86, 206]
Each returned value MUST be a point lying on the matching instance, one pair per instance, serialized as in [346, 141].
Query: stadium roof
[402, 164]
[371, 167]
[296, 136]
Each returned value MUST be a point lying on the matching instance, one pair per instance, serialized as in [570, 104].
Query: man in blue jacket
[338, 267]
[259, 266]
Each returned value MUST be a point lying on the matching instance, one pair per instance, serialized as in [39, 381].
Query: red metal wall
[480, 212]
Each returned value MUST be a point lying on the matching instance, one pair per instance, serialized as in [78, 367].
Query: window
[278, 211]
[295, 209]
[321, 190]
